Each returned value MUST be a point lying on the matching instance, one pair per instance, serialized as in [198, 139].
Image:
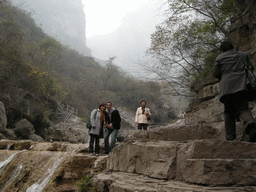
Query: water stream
[13, 177]
[4, 163]
[40, 185]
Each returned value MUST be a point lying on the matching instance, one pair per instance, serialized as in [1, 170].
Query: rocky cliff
[206, 107]
[62, 19]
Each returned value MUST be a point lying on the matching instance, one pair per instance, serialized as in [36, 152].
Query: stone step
[219, 172]
[155, 159]
[129, 182]
[167, 159]
[212, 149]
[177, 133]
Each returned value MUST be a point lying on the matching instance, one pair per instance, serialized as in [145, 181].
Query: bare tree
[184, 43]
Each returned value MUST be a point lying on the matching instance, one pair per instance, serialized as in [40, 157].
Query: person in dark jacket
[113, 121]
[229, 69]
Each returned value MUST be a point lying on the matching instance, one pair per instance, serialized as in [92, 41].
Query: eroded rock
[70, 132]
[42, 169]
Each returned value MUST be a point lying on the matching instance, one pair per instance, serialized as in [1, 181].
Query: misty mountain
[130, 41]
[62, 19]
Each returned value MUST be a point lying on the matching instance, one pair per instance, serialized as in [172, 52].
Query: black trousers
[142, 125]
[95, 138]
[237, 104]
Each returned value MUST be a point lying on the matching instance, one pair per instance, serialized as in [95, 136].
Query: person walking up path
[229, 68]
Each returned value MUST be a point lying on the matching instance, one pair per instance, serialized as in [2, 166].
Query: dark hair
[109, 102]
[226, 45]
[143, 101]
[102, 104]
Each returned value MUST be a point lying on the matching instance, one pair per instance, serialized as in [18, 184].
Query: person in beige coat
[142, 117]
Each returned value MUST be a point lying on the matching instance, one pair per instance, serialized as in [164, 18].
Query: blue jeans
[113, 133]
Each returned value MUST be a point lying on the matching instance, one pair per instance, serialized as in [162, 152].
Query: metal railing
[69, 110]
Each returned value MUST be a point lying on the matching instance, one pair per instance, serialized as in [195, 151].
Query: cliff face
[206, 107]
[62, 19]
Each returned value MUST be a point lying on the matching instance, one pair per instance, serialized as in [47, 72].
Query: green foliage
[85, 185]
[38, 63]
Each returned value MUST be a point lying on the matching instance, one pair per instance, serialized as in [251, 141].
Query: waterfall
[13, 177]
[39, 186]
[3, 164]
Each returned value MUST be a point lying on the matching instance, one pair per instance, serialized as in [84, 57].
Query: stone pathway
[129, 182]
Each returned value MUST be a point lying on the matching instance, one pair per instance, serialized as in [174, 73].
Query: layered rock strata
[31, 166]
[187, 154]
[206, 107]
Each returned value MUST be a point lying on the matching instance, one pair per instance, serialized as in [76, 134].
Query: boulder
[35, 137]
[24, 128]
[3, 118]
[20, 104]
[9, 134]
[69, 132]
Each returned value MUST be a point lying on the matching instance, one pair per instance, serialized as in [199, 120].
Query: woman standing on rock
[229, 68]
[98, 122]
[142, 117]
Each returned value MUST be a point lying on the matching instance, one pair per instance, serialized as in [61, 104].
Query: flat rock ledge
[130, 182]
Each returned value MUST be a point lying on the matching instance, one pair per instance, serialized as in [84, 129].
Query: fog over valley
[81, 25]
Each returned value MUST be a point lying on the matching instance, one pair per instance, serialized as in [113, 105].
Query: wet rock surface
[32, 166]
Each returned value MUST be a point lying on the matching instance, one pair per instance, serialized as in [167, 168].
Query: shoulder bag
[251, 78]
[89, 124]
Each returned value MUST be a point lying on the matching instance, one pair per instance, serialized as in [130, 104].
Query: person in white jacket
[142, 117]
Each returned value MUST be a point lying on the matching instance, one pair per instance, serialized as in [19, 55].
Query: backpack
[88, 124]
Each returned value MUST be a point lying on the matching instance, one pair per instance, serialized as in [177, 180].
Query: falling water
[39, 186]
[13, 177]
[3, 164]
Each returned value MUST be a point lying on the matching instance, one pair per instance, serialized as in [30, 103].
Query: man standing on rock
[229, 68]
[113, 121]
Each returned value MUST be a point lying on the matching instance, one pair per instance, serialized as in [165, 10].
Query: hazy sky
[122, 28]
[105, 16]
